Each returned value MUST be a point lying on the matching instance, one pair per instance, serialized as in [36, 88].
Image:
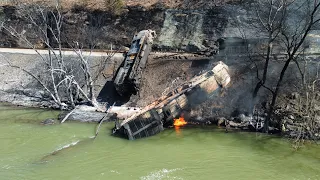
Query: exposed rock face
[182, 30]
[187, 30]
[202, 27]
[89, 28]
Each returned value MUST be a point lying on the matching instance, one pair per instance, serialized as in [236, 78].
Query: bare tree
[271, 16]
[293, 36]
[287, 24]
[64, 82]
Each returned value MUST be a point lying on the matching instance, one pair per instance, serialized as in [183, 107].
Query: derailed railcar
[127, 79]
[163, 111]
[144, 125]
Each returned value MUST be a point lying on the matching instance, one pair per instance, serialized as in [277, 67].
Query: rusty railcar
[152, 118]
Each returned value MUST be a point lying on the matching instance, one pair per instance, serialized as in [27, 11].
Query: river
[30, 151]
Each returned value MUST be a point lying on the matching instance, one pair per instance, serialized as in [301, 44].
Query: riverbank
[231, 108]
[213, 32]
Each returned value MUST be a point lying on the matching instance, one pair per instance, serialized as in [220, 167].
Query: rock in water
[48, 122]
[221, 121]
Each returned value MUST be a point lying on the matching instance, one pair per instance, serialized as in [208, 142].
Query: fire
[179, 122]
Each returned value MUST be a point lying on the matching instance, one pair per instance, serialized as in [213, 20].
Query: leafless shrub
[63, 78]
[287, 24]
[307, 107]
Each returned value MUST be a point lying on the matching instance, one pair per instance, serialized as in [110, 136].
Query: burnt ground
[161, 76]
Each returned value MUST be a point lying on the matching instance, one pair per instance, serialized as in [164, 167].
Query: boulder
[221, 121]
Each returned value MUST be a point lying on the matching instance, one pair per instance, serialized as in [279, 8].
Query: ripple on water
[162, 174]
[67, 146]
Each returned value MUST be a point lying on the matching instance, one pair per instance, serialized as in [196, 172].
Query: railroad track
[178, 56]
[161, 55]
[156, 55]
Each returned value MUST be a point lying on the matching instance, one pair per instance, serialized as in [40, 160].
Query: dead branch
[101, 121]
[67, 116]
[48, 22]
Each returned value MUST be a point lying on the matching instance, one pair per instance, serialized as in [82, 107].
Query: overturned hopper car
[127, 79]
[163, 111]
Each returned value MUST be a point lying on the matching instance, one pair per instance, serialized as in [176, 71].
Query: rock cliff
[178, 29]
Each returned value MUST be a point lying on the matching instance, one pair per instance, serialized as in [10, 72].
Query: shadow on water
[26, 115]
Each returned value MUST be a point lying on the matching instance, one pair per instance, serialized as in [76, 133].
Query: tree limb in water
[66, 117]
[102, 119]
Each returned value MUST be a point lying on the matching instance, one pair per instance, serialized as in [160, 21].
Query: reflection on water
[178, 131]
[177, 153]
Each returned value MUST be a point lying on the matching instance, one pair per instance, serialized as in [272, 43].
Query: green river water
[191, 153]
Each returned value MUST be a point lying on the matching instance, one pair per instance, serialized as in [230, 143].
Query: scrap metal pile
[134, 123]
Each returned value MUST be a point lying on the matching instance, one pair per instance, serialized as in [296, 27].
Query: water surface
[190, 153]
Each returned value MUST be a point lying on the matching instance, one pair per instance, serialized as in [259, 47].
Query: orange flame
[179, 122]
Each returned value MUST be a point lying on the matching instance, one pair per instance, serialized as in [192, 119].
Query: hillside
[105, 4]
